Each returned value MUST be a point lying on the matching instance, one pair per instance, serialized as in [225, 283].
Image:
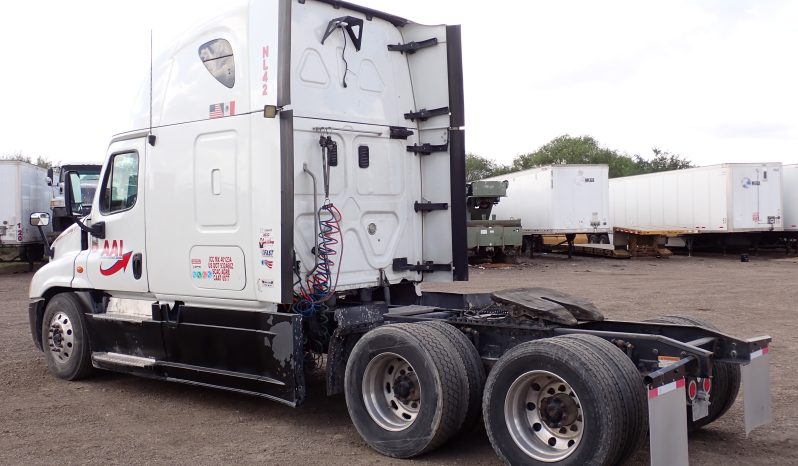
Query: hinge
[427, 149]
[412, 47]
[401, 265]
[397, 132]
[424, 114]
[430, 206]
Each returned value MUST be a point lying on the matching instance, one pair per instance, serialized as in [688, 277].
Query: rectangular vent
[363, 156]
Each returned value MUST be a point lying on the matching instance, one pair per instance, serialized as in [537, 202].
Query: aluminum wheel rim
[544, 416]
[391, 392]
[61, 337]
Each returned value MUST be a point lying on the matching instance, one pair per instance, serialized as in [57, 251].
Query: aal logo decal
[112, 257]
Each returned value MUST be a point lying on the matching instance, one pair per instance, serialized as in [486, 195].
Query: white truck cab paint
[290, 153]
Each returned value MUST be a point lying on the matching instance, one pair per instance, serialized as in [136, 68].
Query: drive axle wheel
[725, 381]
[391, 392]
[564, 400]
[64, 338]
[406, 389]
[544, 416]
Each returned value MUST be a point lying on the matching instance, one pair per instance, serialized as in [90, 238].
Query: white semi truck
[300, 174]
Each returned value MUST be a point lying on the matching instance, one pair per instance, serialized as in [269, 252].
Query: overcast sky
[714, 81]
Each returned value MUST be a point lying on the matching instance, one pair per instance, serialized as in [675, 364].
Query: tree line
[577, 150]
[43, 162]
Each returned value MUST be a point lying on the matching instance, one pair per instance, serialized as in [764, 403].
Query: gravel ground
[116, 419]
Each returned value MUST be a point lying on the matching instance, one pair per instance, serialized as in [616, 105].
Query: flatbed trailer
[213, 255]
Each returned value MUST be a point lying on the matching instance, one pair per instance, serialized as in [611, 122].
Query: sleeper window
[121, 187]
[217, 56]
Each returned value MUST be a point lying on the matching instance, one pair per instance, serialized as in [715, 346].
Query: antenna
[151, 137]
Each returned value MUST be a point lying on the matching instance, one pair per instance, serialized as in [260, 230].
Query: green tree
[478, 168]
[587, 150]
[19, 156]
[662, 161]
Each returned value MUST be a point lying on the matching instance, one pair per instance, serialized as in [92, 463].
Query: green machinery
[488, 238]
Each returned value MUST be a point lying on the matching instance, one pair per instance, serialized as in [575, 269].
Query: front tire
[406, 389]
[557, 401]
[65, 340]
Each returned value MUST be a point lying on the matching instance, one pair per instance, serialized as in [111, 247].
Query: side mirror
[73, 197]
[50, 176]
[39, 219]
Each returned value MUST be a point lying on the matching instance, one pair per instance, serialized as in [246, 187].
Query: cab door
[117, 262]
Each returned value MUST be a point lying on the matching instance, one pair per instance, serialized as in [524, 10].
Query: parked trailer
[246, 200]
[728, 198]
[558, 200]
[790, 190]
[23, 191]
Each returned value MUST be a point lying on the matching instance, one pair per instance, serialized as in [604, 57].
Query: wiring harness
[319, 284]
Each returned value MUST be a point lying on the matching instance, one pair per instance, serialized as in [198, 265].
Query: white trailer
[790, 189]
[214, 255]
[23, 191]
[558, 199]
[727, 198]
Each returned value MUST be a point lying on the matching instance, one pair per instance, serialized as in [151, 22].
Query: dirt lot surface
[122, 419]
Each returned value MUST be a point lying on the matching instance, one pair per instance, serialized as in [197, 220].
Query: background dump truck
[23, 191]
[490, 238]
[303, 173]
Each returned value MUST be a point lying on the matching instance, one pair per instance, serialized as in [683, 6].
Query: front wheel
[64, 338]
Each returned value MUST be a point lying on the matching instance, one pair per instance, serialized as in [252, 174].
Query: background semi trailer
[728, 198]
[558, 200]
[23, 191]
[303, 175]
[790, 196]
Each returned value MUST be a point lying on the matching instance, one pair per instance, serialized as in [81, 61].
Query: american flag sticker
[222, 109]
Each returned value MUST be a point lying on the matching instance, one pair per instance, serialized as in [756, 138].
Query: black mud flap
[253, 352]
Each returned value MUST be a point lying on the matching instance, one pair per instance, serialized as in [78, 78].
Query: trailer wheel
[630, 385]
[64, 338]
[406, 389]
[553, 401]
[725, 383]
[475, 371]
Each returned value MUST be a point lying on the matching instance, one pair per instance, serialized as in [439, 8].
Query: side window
[121, 184]
[217, 55]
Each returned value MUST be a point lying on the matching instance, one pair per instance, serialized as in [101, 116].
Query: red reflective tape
[758, 353]
[659, 391]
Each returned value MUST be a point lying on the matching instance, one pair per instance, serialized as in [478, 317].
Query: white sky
[714, 81]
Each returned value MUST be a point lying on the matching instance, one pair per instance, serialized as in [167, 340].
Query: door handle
[137, 265]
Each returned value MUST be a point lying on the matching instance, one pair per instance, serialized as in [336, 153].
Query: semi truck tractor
[296, 172]
[89, 177]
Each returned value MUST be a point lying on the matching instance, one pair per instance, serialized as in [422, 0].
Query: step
[119, 359]
[129, 318]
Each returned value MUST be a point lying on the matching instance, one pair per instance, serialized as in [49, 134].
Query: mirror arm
[50, 251]
[97, 230]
